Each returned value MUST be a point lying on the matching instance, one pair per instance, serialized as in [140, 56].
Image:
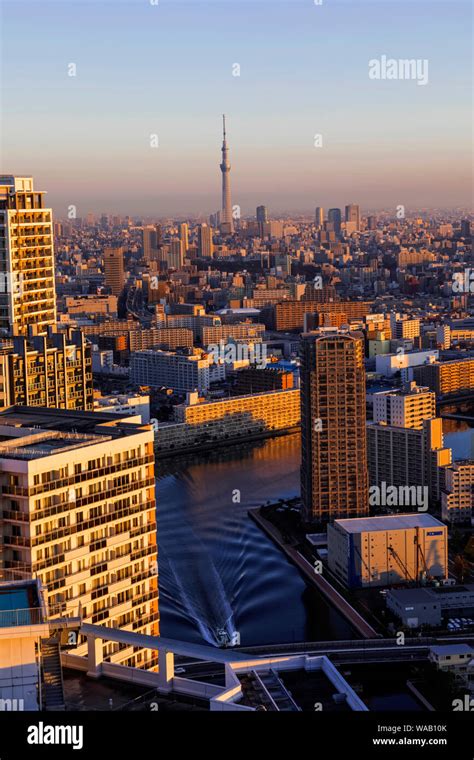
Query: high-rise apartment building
[78, 512]
[27, 289]
[184, 239]
[446, 377]
[407, 407]
[114, 270]
[52, 369]
[150, 242]
[179, 371]
[353, 214]
[205, 242]
[334, 478]
[407, 456]
[289, 314]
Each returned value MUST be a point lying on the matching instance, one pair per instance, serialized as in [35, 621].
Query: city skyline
[279, 83]
[236, 370]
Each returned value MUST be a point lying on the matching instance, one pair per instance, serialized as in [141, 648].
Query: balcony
[25, 617]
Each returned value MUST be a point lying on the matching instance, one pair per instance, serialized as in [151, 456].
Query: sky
[167, 68]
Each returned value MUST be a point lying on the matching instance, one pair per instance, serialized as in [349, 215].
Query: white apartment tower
[77, 511]
[27, 290]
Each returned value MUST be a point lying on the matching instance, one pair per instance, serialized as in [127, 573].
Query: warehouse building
[387, 550]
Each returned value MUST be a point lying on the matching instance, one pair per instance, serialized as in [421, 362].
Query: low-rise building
[430, 605]
[382, 551]
[198, 423]
[133, 404]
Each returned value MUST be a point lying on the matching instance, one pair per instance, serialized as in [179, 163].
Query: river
[217, 570]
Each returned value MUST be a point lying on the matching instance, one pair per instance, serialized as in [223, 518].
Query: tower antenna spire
[223, 123]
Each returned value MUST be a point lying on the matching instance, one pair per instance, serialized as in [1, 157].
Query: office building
[388, 550]
[114, 270]
[457, 498]
[319, 216]
[335, 219]
[334, 479]
[407, 407]
[352, 215]
[262, 214]
[78, 512]
[27, 267]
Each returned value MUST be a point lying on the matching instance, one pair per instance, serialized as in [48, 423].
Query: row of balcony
[53, 485]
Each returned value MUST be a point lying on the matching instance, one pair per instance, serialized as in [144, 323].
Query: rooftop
[389, 522]
[448, 649]
[31, 432]
[429, 593]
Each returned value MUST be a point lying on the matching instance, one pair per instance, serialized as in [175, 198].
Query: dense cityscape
[236, 459]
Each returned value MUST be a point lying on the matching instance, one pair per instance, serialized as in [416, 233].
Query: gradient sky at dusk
[167, 69]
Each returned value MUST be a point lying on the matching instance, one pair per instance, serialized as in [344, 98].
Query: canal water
[218, 572]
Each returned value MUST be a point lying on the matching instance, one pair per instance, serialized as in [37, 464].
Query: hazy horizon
[167, 70]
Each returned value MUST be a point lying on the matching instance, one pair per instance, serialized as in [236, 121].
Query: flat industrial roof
[444, 649]
[389, 522]
[429, 594]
